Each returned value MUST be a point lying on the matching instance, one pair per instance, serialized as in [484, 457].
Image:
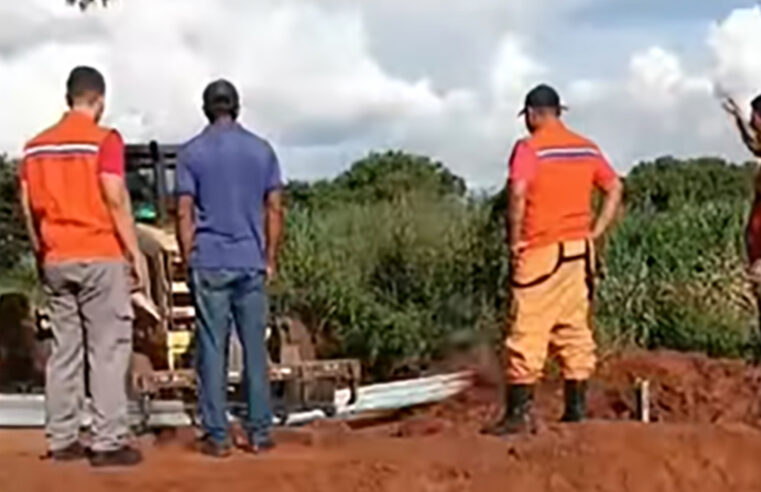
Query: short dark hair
[220, 98]
[756, 104]
[84, 82]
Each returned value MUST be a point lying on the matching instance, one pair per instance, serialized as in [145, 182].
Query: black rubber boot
[575, 401]
[124, 456]
[516, 418]
[73, 452]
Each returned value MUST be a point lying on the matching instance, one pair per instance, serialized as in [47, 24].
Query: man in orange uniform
[553, 175]
[80, 224]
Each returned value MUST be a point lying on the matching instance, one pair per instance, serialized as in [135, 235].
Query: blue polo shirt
[228, 171]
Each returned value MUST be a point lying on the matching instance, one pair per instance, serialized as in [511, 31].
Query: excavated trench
[705, 438]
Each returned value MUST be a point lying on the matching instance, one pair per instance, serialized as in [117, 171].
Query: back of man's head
[220, 99]
[756, 104]
[85, 85]
[542, 105]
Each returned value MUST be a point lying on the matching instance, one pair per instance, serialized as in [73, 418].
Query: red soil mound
[707, 445]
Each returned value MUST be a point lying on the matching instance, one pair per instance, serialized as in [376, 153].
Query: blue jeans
[222, 296]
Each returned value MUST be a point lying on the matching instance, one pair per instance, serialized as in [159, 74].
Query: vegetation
[83, 4]
[396, 268]
[394, 262]
[17, 271]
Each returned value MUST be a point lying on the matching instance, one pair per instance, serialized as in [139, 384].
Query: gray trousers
[91, 315]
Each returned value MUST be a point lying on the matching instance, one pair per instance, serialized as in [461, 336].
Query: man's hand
[274, 216]
[31, 228]
[731, 107]
[186, 227]
[118, 203]
[613, 195]
[271, 272]
[515, 213]
[749, 134]
[518, 247]
[137, 273]
[39, 265]
[754, 272]
[596, 234]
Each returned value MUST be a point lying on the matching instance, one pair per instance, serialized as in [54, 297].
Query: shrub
[393, 263]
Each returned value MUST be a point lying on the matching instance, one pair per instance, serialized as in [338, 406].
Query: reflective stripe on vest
[558, 198]
[61, 149]
[61, 173]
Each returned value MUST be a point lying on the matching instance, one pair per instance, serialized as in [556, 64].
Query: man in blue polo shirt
[229, 225]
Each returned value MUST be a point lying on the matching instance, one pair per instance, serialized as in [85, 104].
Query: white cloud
[319, 78]
[658, 82]
[513, 71]
[304, 70]
[736, 45]
[656, 108]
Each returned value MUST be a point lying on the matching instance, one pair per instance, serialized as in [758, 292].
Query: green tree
[379, 177]
[394, 173]
[667, 183]
[13, 240]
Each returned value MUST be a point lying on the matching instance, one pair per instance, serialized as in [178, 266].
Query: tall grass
[396, 282]
[392, 282]
[395, 272]
[677, 279]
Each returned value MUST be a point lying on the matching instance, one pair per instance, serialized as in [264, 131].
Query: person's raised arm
[749, 137]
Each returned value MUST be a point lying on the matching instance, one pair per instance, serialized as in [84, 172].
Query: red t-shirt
[523, 162]
[111, 155]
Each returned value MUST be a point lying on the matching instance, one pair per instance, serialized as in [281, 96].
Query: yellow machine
[165, 315]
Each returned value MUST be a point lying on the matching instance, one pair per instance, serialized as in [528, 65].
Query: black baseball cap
[221, 95]
[542, 96]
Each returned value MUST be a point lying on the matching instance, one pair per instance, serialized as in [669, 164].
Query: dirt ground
[707, 439]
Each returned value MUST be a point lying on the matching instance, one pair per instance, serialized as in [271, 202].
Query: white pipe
[29, 410]
[402, 387]
[412, 383]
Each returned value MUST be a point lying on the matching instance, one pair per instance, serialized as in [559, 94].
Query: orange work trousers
[551, 294]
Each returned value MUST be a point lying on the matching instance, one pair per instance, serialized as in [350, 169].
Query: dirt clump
[684, 388]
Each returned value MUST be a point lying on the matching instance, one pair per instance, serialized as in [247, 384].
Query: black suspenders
[562, 259]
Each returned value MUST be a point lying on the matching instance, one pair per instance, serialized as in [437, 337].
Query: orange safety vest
[60, 170]
[558, 201]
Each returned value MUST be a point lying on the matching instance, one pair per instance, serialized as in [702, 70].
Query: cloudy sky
[329, 80]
